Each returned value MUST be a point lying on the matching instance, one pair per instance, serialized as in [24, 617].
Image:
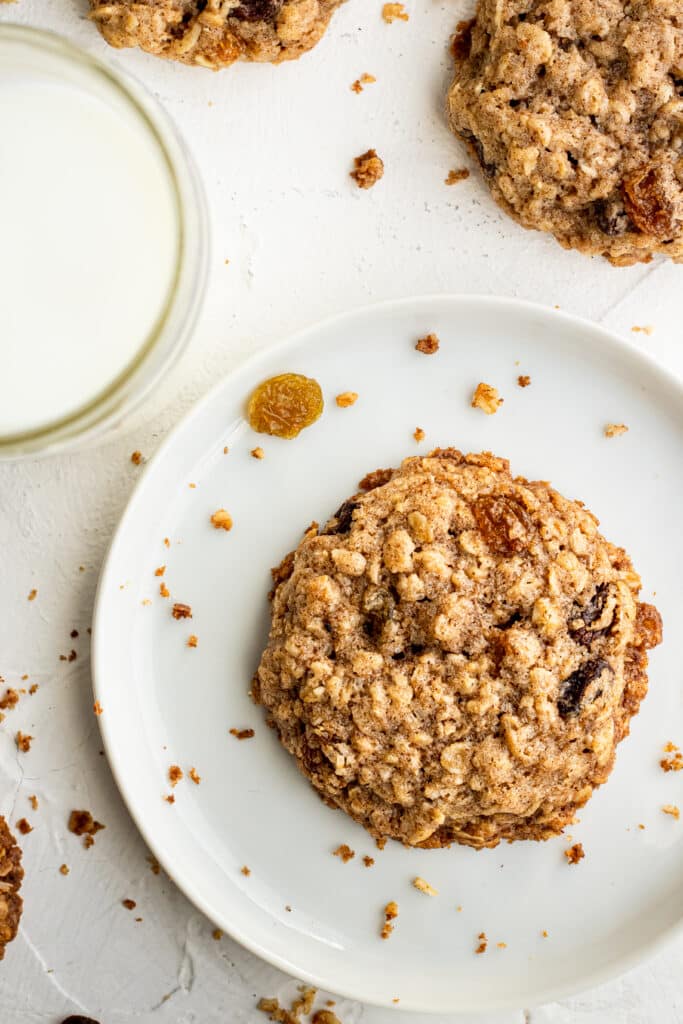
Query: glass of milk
[103, 243]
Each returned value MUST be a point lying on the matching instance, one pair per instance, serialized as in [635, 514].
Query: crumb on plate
[454, 176]
[23, 742]
[648, 329]
[615, 429]
[97, 708]
[524, 380]
[221, 520]
[258, 453]
[483, 943]
[64, 869]
[195, 776]
[365, 79]
[242, 734]
[245, 870]
[175, 774]
[181, 611]
[422, 886]
[419, 434]
[575, 853]
[428, 345]
[24, 827]
[32, 595]
[394, 12]
[160, 571]
[346, 398]
[163, 590]
[390, 914]
[192, 640]
[33, 800]
[672, 810]
[344, 852]
[486, 398]
[368, 168]
[136, 458]
[129, 904]
[368, 861]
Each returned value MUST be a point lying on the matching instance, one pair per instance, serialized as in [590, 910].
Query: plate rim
[594, 977]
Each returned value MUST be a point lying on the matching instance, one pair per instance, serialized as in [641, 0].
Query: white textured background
[274, 147]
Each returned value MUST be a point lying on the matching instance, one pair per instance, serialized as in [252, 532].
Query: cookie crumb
[544, 934]
[33, 688]
[256, 453]
[325, 1017]
[459, 908]
[648, 329]
[390, 914]
[217, 934]
[33, 800]
[97, 708]
[82, 823]
[575, 853]
[365, 79]
[181, 611]
[226, 450]
[160, 571]
[614, 429]
[64, 869]
[674, 763]
[242, 734]
[136, 458]
[195, 776]
[455, 176]
[483, 943]
[163, 590]
[221, 520]
[32, 595]
[368, 861]
[192, 640]
[170, 799]
[419, 434]
[672, 810]
[380, 843]
[154, 864]
[167, 542]
[501, 945]
[425, 887]
[245, 870]
[344, 852]
[641, 827]
[129, 904]
[23, 742]
[10, 700]
[377, 478]
[394, 12]
[428, 345]
[175, 774]
[368, 169]
[486, 398]
[524, 380]
[346, 399]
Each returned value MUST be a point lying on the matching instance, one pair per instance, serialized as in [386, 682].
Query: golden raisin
[284, 405]
[649, 195]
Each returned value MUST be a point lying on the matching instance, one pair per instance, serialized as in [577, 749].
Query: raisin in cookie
[215, 33]
[11, 875]
[574, 110]
[455, 656]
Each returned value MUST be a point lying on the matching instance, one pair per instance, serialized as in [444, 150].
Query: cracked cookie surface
[574, 111]
[11, 875]
[215, 33]
[455, 656]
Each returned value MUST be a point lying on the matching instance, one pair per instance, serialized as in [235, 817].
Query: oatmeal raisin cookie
[11, 875]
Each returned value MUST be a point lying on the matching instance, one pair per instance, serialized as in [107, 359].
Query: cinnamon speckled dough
[574, 109]
[215, 33]
[11, 875]
[456, 656]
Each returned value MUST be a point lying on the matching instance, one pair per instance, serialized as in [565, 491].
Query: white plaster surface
[274, 147]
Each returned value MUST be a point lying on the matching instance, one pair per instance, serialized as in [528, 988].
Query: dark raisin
[503, 522]
[257, 10]
[378, 605]
[343, 517]
[574, 686]
[588, 614]
[611, 217]
[417, 648]
[650, 195]
[462, 40]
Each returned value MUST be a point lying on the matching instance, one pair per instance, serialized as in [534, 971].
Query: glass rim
[168, 336]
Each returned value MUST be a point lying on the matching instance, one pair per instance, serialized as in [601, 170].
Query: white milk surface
[88, 247]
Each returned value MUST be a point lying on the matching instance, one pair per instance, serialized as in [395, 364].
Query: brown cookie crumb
[10, 700]
[483, 943]
[181, 611]
[648, 329]
[32, 595]
[11, 873]
[575, 853]
[258, 453]
[394, 12]
[344, 852]
[325, 1017]
[129, 904]
[163, 590]
[245, 870]
[502, 945]
[34, 688]
[422, 886]
[346, 399]
[390, 914]
[461, 174]
[672, 810]
[428, 345]
[24, 827]
[170, 799]
[97, 708]
[544, 934]
[160, 571]
[419, 434]
[368, 169]
[615, 429]
[136, 458]
[155, 866]
[64, 869]
[674, 763]
[524, 380]
[368, 861]
[195, 776]
[377, 478]
[23, 742]
[486, 398]
[192, 640]
[33, 800]
[365, 79]
[242, 734]
[221, 520]
[175, 774]
[167, 542]
[217, 934]
[82, 823]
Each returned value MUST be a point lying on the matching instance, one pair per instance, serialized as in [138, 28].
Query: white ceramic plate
[165, 703]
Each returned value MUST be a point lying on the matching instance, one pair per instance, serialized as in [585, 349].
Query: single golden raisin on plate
[284, 405]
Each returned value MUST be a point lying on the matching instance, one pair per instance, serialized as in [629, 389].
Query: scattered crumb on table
[368, 169]
[64, 869]
[129, 904]
[390, 914]
[575, 853]
[195, 776]
[672, 810]
[258, 453]
[454, 176]
[419, 434]
[483, 943]
[192, 640]
[136, 458]
[242, 734]
[175, 774]
[24, 827]
[344, 852]
[32, 595]
[346, 399]
[648, 329]
[217, 934]
[365, 79]
[486, 398]
[368, 861]
[221, 520]
[428, 345]
[394, 12]
[154, 864]
[524, 380]
[422, 886]
[181, 611]
[245, 870]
